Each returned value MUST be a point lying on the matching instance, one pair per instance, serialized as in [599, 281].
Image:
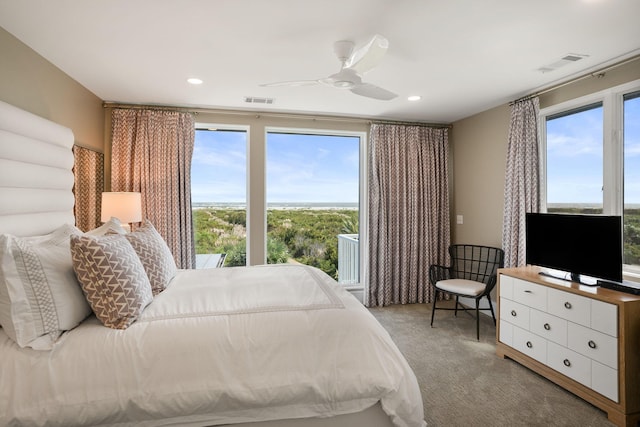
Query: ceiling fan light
[343, 84]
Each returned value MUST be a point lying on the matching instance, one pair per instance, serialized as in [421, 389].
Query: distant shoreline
[280, 206]
[586, 206]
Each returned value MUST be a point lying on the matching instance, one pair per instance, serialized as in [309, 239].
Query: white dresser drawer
[604, 380]
[514, 313]
[569, 306]
[604, 317]
[506, 333]
[569, 363]
[530, 294]
[548, 326]
[593, 344]
[582, 338]
[506, 286]
[530, 344]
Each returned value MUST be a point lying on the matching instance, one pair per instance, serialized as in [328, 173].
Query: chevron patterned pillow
[155, 255]
[112, 278]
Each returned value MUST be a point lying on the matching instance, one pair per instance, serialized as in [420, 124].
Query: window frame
[256, 184]
[211, 126]
[363, 196]
[612, 100]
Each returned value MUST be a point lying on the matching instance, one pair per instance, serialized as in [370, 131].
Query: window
[313, 201]
[575, 161]
[219, 197]
[591, 161]
[631, 218]
[281, 194]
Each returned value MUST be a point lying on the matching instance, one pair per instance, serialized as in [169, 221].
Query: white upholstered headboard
[36, 178]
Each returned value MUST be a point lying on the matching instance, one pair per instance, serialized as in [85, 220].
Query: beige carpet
[464, 383]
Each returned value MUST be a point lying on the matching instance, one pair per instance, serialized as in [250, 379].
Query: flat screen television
[581, 245]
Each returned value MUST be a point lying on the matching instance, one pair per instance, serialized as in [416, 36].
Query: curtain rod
[422, 124]
[598, 73]
[259, 114]
[147, 107]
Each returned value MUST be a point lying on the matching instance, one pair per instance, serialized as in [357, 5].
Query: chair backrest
[479, 263]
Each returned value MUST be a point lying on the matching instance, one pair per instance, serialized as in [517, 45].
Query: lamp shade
[126, 206]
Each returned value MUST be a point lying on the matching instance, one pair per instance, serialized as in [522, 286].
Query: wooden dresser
[585, 339]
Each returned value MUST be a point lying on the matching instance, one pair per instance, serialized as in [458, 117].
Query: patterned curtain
[409, 226]
[521, 188]
[151, 153]
[88, 174]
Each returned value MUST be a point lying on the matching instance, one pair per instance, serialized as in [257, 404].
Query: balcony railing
[210, 260]
[348, 259]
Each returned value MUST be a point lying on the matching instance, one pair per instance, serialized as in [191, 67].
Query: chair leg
[433, 306]
[478, 319]
[455, 312]
[491, 307]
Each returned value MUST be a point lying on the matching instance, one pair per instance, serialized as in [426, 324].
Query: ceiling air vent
[258, 100]
[565, 60]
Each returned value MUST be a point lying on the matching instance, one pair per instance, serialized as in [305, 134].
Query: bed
[274, 345]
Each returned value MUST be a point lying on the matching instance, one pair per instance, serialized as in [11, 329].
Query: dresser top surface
[532, 274]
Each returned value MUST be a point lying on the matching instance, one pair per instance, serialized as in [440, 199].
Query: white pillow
[113, 226]
[40, 297]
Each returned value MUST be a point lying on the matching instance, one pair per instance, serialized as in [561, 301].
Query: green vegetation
[631, 226]
[632, 236]
[308, 236]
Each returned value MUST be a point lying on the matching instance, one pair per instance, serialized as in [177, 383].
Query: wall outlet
[459, 219]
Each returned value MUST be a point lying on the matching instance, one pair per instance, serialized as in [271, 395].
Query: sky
[322, 168]
[300, 168]
[575, 156]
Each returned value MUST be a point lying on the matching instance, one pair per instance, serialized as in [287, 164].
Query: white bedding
[217, 346]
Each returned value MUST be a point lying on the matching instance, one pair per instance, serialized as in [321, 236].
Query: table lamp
[126, 206]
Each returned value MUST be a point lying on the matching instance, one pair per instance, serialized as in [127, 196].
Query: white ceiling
[461, 56]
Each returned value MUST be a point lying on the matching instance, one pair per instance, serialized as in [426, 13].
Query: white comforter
[217, 346]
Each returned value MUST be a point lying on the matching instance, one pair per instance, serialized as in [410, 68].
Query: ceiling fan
[354, 64]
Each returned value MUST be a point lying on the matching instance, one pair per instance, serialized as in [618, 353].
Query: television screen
[588, 245]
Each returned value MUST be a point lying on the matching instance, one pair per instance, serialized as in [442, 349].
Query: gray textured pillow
[112, 278]
[155, 255]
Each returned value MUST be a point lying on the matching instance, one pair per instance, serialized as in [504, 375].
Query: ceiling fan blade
[369, 55]
[292, 83]
[373, 91]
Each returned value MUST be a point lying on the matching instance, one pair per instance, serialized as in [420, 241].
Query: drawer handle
[529, 344]
[567, 304]
[566, 362]
[547, 326]
[513, 313]
[527, 291]
[592, 344]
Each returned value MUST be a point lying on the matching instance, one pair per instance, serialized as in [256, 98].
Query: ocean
[279, 205]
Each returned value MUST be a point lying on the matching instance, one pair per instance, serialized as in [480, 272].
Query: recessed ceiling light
[414, 98]
[194, 81]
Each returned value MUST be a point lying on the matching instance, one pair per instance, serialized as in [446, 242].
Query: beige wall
[479, 146]
[30, 82]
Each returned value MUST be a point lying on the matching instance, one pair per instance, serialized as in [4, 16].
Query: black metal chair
[472, 274]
